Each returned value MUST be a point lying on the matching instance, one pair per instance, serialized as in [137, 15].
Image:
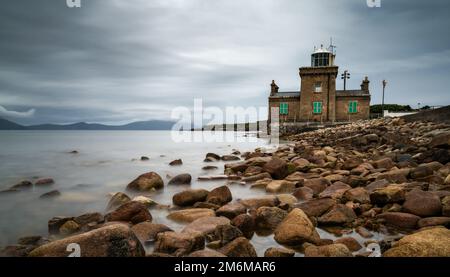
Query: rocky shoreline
[383, 176]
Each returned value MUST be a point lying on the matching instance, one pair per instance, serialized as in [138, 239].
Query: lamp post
[382, 102]
[344, 77]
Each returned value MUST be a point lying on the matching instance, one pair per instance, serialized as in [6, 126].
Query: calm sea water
[106, 163]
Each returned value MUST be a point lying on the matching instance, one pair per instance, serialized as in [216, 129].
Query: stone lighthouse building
[318, 100]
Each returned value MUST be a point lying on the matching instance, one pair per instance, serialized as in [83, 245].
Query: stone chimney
[365, 84]
[274, 88]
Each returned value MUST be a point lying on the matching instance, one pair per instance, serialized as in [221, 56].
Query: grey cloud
[117, 61]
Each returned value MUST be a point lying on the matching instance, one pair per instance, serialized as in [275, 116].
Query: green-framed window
[317, 107]
[284, 108]
[353, 107]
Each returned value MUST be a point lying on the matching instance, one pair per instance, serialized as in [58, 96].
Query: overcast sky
[116, 61]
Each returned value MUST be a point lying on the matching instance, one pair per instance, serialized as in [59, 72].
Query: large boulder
[133, 212]
[357, 195]
[240, 247]
[434, 242]
[269, 218]
[219, 196]
[317, 207]
[245, 223]
[231, 210]
[422, 203]
[280, 186]
[146, 182]
[189, 197]
[115, 240]
[335, 191]
[205, 225]
[178, 244]
[117, 200]
[263, 201]
[275, 252]
[296, 229]
[389, 194]
[277, 168]
[181, 179]
[147, 231]
[339, 214]
[400, 220]
[331, 250]
[190, 215]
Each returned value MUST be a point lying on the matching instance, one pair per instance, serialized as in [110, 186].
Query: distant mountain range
[140, 125]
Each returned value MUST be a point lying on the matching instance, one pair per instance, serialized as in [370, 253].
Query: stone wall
[342, 104]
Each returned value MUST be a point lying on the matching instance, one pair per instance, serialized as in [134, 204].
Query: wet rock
[206, 205]
[441, 140]
[280, 186]
[422, 203]
[269, 217]
[385, 163]
[206, 253]
[363, 232]
[69, 227]
[189, 197]
[245, 223]
[421, 171]
[338, 215]
[210, 167]
[335, 178]
[301, 163]
[133, 212]
[117, 200]
[205, 225]
[228, 158]
[178, 244]
[376, 185]
[145, 158]
[115, 240]
[332, 250]
[296, 177]
[400, 220]
[219, 196]
[231, 210]
[357, 195]
[257, 177]
[398, 176]
[287, 199]
[303, 193]
[146, 182]
[433, 221]
[176, 162]
[317, 207]
[275, 252]
[253, 170]
[261, 184]
[433, 242]
[88, 218]
[181, 179]
[296, 229]
[335, 191]
[277, 168]
[351, 243]
[389, 194]
[212, 157]
[227, 233]
[189, 215]
[56, 222]
[446, 206]
[23, 185]
[147, 231]
[316, 184]
[148, 202]
[50, 194]
[240, 247]
[264, 201]
[45, 182]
